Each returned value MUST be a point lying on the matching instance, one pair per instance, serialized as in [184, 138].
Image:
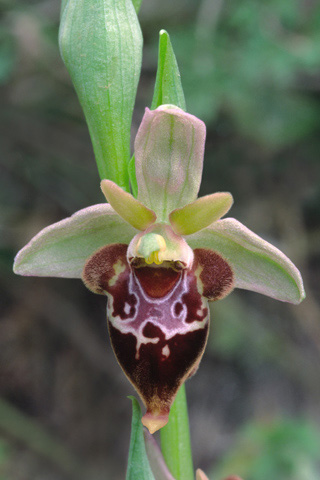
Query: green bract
[101, 45]
[168, 88]
[169, 154]
[138, 464]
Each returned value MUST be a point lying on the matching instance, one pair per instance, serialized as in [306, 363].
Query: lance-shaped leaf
[257, 265]
[130, 209]
[132, 176]
[137, 5]
[168, 88]
[138, 464]
[200, 214]
[101, 46]
[62, 249]
[169, 150]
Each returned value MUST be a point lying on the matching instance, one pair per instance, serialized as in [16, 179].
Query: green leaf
[137, 5]
[132, 176]
[168, 88]
[138, 463]
[175, 439]
[101, 45]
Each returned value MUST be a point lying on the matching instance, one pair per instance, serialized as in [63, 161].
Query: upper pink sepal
[169, 149]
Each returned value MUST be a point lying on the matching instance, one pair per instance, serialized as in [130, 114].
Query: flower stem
[175, 439]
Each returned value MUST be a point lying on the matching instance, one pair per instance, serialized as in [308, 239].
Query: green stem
[175, 439]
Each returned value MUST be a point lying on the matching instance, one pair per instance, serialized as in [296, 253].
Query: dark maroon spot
[100, 268]
[216, 275]
[132, 299]
[152, 331]
[157, 282]
[178, 307]
[193, 301]
[123, 303]
[154, 374]
[124, 347]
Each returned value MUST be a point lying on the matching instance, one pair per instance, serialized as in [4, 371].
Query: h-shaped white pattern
[168, 313]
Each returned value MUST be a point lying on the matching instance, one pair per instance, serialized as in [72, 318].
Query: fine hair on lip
[139, 262]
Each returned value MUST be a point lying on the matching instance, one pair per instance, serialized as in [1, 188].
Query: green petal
[169, 149]
[257, 265]
[130, 209]
[200, 214]
[62, 249]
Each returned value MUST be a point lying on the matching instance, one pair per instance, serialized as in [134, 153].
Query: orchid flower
[161, 258]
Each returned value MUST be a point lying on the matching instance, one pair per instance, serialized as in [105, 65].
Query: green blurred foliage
[7, 55]
[257, 62]
[4, 458]
[284, 449]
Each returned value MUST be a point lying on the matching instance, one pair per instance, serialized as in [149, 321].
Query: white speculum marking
[166, 351]
[158, 311]
[127, 308]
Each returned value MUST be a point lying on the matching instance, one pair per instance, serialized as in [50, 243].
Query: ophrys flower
[160, 258]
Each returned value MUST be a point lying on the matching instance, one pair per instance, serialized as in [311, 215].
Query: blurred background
[251, 71]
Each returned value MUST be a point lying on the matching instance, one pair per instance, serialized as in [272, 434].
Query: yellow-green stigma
[150, 247]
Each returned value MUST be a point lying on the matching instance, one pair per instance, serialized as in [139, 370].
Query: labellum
[158, 315]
